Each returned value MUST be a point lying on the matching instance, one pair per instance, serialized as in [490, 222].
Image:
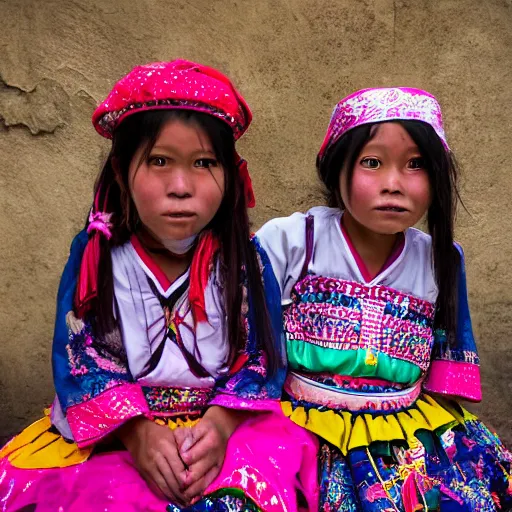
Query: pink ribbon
[100, 221]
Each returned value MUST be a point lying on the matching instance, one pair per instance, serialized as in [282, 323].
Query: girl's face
[179, 188]
[390, 188]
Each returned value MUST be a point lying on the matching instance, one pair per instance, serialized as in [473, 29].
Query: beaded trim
[110, 120]
[169, 401]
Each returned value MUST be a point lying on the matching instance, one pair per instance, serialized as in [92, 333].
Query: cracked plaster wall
[293, 60]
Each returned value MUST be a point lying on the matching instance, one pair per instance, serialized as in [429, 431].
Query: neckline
[392, 261]
[153, 270]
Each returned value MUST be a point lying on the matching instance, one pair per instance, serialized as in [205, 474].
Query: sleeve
[248, 386]
[283, 240]
[455, 369]
[95, 390]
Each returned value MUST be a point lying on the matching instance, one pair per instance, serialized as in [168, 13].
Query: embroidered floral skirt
[433, 455]
[267, 460]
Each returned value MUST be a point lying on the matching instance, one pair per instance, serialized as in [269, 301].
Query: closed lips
[391, 208]
[179, 214]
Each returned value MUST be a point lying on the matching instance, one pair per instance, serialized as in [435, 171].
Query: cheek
[145, 192]
[421, 191]
[212, 188]
[361, 189]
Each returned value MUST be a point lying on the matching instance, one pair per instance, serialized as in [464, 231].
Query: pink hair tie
[87, 285]
[100, 222]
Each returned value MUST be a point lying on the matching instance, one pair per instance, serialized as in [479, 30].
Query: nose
[391, 181]
[179, 183]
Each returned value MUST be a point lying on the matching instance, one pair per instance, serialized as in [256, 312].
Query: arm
[455, 370]
[95, 390]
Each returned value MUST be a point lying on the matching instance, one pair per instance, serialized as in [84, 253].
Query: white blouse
[284, 239]
[143, 324]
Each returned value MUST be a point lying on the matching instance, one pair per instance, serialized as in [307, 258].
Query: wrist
[226, 420]
[132, 427]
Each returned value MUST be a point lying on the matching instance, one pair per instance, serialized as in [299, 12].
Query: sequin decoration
[443, 351]
[175, 401]
[94, 419]
[218, 502]
[94, 363]
[110, 120]
[176, 84]
[467, 469]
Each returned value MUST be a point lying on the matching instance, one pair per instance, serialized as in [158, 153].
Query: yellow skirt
[347, 431]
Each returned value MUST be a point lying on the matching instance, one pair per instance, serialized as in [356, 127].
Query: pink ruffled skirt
[269, 458]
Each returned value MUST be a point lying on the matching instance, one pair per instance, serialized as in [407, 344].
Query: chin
[389, 229]
[182, 235]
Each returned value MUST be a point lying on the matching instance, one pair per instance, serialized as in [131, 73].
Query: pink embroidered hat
[379, 105]
[178, 84]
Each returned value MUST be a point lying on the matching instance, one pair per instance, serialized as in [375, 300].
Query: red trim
[395, 253]
[359, 261]
[159, 274]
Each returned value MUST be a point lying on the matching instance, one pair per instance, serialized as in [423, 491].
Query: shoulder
[419, 241]
[422, 242]
[122, 253]
[281, 225]
[460, 250]
[77, 248]
[292, 228]
[80, 240]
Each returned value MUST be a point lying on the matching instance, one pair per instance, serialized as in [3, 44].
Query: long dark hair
[442, 172]
[238, 257]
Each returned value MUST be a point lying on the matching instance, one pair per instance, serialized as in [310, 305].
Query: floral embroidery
[91, 362]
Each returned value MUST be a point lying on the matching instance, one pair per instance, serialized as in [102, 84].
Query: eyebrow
[164, 147]
[376, 145]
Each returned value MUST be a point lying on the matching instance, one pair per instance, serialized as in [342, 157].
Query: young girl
[165, 333]
[378, 333]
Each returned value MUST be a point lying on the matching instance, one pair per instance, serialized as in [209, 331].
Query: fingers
[184, 438]
[202, 467]
[165, 466]
[177, 467]
[166, 480]
[206, 459]
[158, 485]
[197, 488]
[207, 452]
[203, 445]
[75, 324]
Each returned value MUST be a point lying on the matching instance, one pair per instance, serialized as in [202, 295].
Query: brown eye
[417, 163]
[206, 163]
[370, 163]
[158, 161]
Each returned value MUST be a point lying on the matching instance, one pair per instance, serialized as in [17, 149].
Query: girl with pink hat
[165, 354]
[378, 332]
